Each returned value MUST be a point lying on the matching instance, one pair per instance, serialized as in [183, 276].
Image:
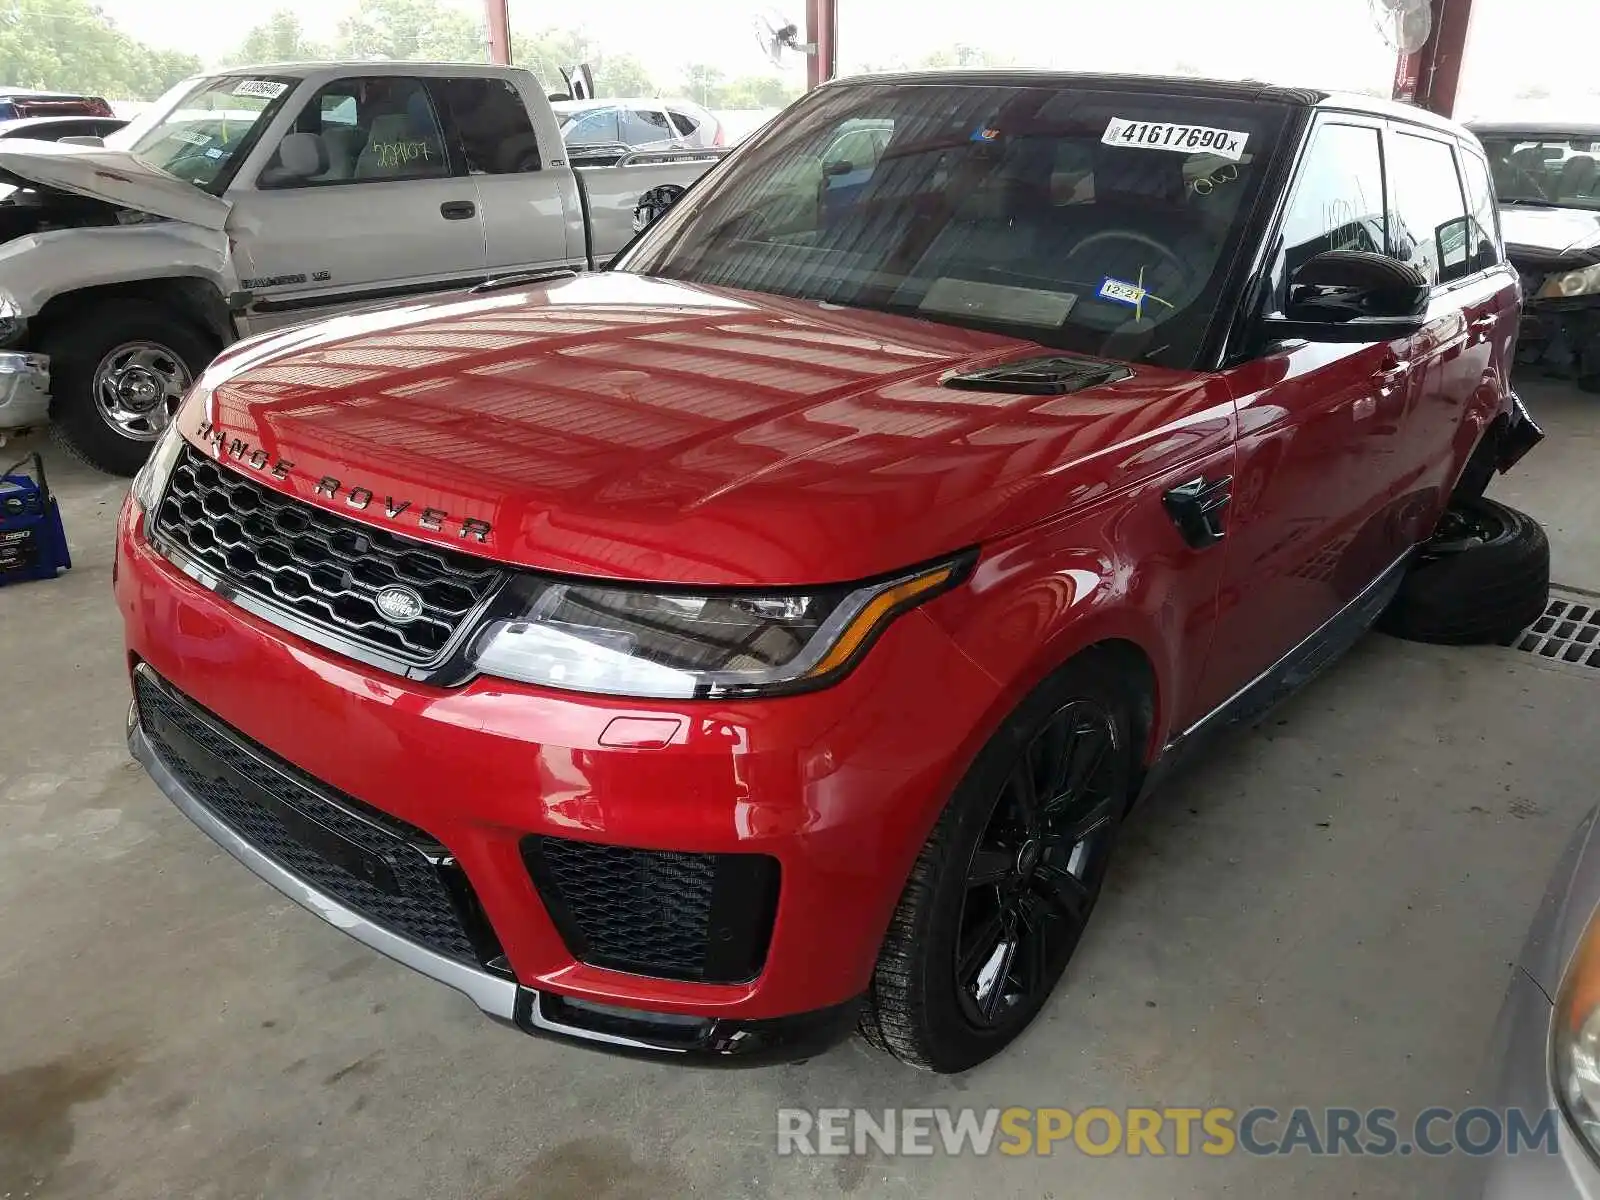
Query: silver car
[638, 124]
[1547, 1040]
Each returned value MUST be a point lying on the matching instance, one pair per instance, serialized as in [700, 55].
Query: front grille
[701, 917]
[317, 566]
[386, 870]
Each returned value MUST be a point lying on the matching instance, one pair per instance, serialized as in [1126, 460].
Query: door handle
[457, 210]
[1479, 330]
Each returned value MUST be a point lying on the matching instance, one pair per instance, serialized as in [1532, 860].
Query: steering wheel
[179, 166]
[1142, 240]
[1521, 178]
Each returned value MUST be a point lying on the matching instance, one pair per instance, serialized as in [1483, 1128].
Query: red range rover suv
[764, 638]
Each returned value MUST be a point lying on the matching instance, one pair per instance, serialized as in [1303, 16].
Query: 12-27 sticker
[1170, 135]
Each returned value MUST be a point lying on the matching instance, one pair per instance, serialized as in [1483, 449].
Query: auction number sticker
[265, 89]
[1169, 135]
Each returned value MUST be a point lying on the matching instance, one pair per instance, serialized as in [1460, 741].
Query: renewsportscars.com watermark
[1161, 1132]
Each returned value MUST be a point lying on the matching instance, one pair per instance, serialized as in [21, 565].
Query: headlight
[1571, 283]
[620, 641]
[1575, 1039]
[151, 480]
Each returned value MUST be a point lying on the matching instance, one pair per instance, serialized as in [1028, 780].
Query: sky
[1328, 43]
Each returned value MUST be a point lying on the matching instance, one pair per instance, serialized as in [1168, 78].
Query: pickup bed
[265, 196]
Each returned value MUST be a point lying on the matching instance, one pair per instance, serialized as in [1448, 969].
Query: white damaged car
[265, 196]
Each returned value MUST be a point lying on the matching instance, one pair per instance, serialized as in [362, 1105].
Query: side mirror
[653, 205]
[1352, 296]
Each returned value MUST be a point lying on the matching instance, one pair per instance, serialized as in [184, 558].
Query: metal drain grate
[1569, 632]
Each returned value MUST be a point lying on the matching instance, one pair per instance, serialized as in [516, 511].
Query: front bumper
[838, 788]
[24, 390]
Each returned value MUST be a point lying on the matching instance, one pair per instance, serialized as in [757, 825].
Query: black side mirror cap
[1352, 296]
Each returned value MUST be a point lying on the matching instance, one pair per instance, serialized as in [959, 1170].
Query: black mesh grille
[704, 917]
[368, 861]
[320, 567]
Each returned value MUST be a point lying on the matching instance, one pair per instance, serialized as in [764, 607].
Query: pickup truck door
[525, 192]
[363, 200]
[1320, 430]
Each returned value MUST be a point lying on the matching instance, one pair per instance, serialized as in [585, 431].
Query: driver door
[1320, 436]
[384, 215]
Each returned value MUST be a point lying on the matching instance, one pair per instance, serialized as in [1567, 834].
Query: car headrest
[1578, 175]
[303, 155]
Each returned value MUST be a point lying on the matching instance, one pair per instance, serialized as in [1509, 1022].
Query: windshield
[1545, 169]
[1089, 221]
[199, 130]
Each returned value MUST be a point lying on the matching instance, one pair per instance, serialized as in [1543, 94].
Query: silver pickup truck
[264, 196]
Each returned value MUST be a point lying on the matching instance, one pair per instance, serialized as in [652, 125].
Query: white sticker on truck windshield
[266, 89]
[1169, 135]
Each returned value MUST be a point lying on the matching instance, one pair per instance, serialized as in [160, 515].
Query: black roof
[1538, 129]
[1248, 90]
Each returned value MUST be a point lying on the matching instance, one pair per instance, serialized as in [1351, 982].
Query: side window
[1480, 205]
[373, 129]
[594, 128]
[491, 122]
[1338, 199]
[643, 125]
[683, 122]
[1428, 227]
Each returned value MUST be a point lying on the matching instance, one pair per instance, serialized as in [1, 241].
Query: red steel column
[822, 31]
[1430, 77]
[499, 22]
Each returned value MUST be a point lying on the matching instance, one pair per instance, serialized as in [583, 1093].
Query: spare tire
[1483, 577]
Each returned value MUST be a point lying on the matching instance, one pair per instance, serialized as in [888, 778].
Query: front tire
[1004, 886]
[118, 372]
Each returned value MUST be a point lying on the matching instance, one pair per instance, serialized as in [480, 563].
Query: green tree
[411, 29]
[73, 46]
[549, 52]
[703, 84]
[757, 91]
[622, 75]
[280, 38]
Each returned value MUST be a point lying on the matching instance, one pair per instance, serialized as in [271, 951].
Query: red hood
[643, 429]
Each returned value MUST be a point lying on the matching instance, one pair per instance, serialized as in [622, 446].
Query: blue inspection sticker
[1121, 292]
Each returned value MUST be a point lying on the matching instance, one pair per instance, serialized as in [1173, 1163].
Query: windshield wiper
[1529, 201]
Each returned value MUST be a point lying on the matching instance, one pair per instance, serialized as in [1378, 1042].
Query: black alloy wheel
[999, 896]
[1032, 878]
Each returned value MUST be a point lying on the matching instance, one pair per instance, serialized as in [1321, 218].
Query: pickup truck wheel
[1003, 888]
[118, 372]
[1483, 577]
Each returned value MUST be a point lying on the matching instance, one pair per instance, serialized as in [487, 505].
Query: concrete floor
[1321, 914]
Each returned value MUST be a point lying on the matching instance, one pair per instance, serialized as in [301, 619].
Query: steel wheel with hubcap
[118, 371]
[138, 387]
[1002, 891]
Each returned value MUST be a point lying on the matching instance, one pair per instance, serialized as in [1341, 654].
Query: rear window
[1094, 221]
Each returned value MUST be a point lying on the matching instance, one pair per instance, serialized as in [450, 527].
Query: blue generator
[33, 543]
